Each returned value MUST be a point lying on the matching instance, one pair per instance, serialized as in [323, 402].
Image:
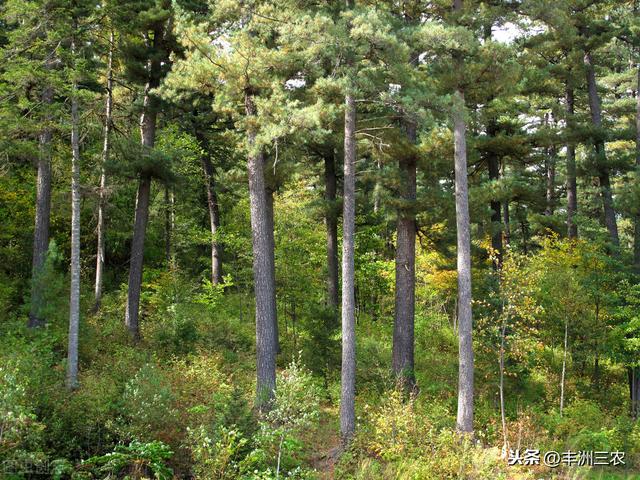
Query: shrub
[21, 439]
[136, 461]
[147, 404]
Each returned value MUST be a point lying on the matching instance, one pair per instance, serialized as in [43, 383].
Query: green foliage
[148, 400]
[294, 410]
[21, 438]
[49, 302]
[135, 460]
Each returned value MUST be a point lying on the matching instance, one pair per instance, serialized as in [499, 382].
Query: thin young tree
[331, 224]
[102, 193]
[572, 188]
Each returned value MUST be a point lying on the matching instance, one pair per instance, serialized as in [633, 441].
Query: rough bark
[636, 226]
[272, 248]
[148, 120]
[42, 216]
[214, 221]
[331, 224]
[601, 156]
[74, 298]
[137, 254]
[464, 421]
[263, 262]
[403, 327]
[465, 322]
[102, 202]
[572, 188]
[348, 375]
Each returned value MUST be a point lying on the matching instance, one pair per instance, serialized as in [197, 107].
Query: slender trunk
[272, 249]
[506, 223]
[572, 188]
[564, 365]
[377, 188]
[348, 376]
[634, 391]
[74, 300]
[43, 212]
[148, 135]
[403, 327]
[601, 156]
[550, 181]
[503, 418]
[263, 261]
[493, 164]
[596, 361]
[214, 221]
[167, 224]
[102, 202]
[279, 456]
[331, 223]
[636, 232]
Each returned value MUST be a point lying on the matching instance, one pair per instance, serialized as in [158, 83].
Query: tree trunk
[272, 250]
[377, 187]
[102, 202]
[137, 254]
[348, 377]
[506, 223]
[43, 212]
[74, 299]
[493, 164]
[403, 327]
[503, 418]
[572, 188]
[214, 221]
[465, 322]
[636, 232]
[550, 181]
[263, 261]
[634, 390]
[564, 364]
[148, 135]
[167, 224]
[464, 420]
[601, 156]
[331, 223]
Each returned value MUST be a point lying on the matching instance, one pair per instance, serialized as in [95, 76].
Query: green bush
[134, 461]
[147, 405]
[21, 434]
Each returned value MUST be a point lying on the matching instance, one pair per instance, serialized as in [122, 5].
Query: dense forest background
[310, 239]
